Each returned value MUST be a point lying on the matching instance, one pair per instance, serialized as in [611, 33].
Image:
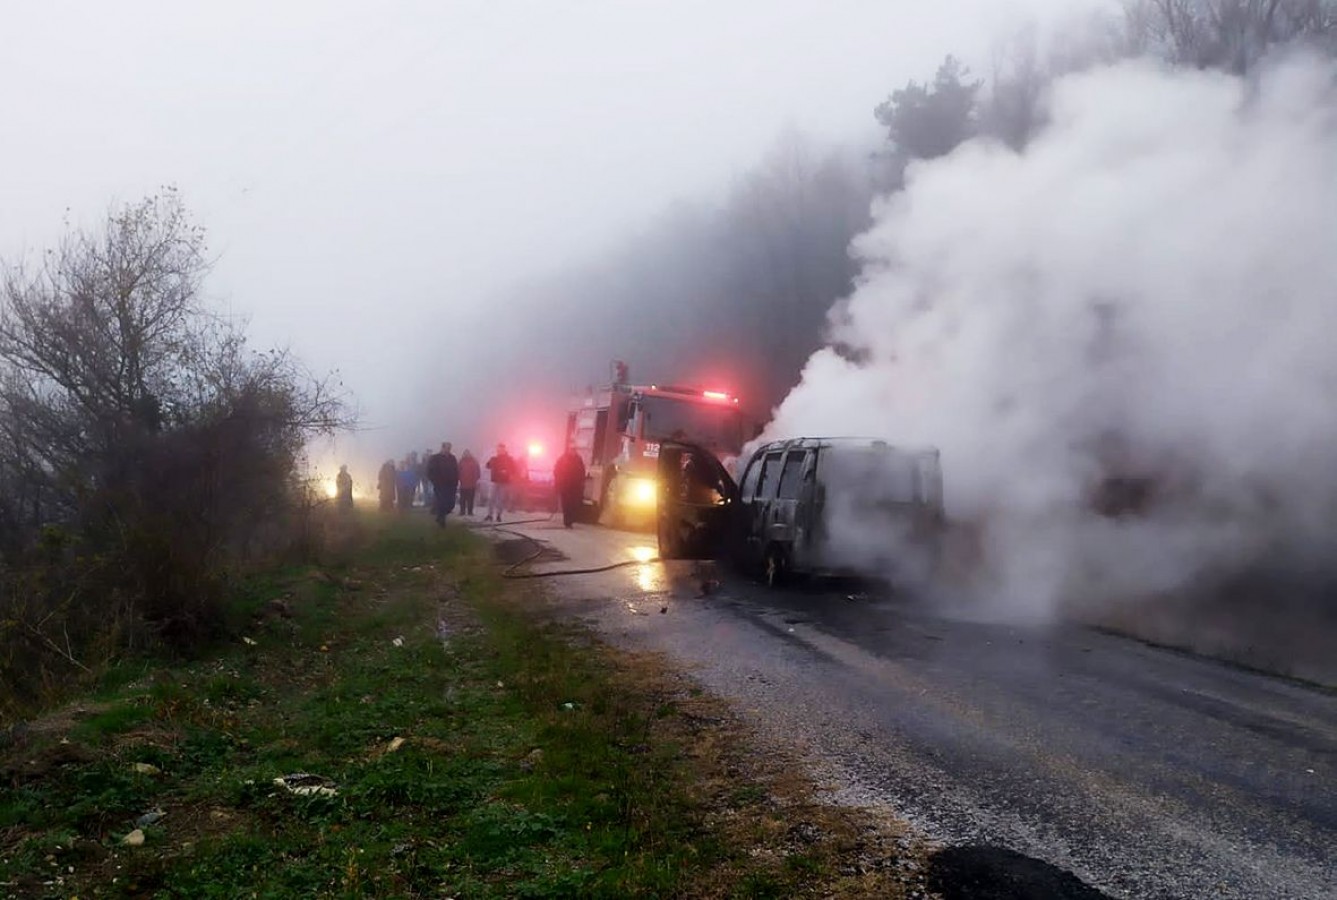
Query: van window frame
[746, 491]
[763, 485]
[793, 469]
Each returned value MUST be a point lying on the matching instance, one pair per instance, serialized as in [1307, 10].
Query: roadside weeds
[433, 738]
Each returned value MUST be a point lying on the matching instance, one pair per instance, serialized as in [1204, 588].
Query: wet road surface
[1146, 773]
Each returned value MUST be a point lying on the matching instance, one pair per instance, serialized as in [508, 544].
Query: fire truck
[617, 430]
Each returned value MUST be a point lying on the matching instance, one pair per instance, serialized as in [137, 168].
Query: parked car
[824, 506]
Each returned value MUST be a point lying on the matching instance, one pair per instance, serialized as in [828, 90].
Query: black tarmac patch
[996, 873]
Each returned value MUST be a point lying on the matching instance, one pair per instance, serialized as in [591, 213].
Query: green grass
[530, 766]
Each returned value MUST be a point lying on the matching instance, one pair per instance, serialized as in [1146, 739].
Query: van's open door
[697, 500]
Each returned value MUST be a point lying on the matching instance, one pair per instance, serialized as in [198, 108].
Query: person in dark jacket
[343, 489]
[385, 485]
[443, 471]
[568, 475]
[501, 469]
[470, 474]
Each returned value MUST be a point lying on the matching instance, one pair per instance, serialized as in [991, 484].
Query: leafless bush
[143, 446]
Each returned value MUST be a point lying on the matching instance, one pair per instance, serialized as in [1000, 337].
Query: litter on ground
[304, 784]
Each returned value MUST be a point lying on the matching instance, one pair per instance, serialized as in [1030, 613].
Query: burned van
[826, 506]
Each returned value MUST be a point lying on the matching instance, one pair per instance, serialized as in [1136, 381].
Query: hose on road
[540, 547]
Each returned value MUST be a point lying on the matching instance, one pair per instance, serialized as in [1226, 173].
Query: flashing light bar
[717, 396]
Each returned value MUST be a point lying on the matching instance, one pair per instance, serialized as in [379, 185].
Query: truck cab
[619, 430]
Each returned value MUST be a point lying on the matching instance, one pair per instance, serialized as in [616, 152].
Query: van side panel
[875, 510]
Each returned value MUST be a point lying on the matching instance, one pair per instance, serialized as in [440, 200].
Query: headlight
[641, 492]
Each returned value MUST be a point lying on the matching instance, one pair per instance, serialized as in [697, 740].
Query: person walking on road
[443, 471]
[470, 474]
[568, 475]
[501, 469]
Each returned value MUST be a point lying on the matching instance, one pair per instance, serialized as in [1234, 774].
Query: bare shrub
[145, 450]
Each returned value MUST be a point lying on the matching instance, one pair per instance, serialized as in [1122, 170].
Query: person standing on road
[501, 469]
[470, 474]
[385, 485]
[568, 475]
[343, 489]
[443, 472]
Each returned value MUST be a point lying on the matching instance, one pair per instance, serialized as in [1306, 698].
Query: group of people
[444, 481]
[439, 479]
[401, 484]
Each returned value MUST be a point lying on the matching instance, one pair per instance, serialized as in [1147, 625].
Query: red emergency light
[715, 395]
[535, 449]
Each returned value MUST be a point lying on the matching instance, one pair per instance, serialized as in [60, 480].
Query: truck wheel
[610, 511]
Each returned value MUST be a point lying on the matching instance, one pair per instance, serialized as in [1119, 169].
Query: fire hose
[540, 547]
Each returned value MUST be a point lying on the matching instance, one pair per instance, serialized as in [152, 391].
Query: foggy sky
[371, 174]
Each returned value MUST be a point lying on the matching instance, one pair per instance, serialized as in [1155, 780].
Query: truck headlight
[641, 492]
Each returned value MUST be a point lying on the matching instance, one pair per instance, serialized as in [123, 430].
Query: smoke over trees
[1114, 322]
[1232, 35]
[143, 446]
[769, 258]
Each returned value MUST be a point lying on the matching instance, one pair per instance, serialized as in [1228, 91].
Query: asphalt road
[1146, 773]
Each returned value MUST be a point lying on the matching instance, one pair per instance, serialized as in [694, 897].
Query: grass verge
[457, 746]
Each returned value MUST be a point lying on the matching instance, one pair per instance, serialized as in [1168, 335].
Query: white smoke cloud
[1149, 288]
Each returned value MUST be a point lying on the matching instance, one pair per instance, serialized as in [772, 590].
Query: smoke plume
[1122, 337]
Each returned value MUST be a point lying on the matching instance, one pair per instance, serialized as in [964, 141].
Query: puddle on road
[649, 577]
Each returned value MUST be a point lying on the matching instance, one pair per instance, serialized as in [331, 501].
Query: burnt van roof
[809, 443]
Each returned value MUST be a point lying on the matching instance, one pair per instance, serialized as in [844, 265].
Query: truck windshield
[717, 428]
